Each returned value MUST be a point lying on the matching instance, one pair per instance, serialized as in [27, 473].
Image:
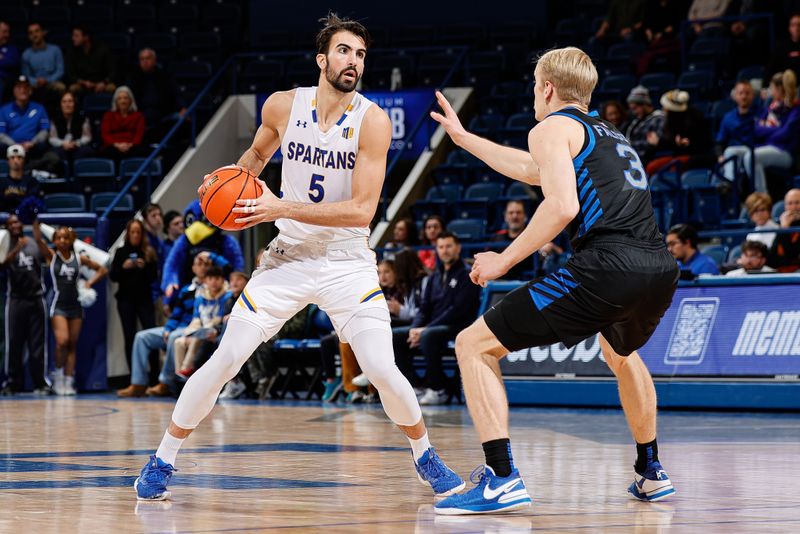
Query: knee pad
[366, 319]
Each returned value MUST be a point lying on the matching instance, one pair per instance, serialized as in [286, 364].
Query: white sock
[169, 447]
[419, 446]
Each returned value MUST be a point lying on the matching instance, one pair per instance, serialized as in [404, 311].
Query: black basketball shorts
[616, 286]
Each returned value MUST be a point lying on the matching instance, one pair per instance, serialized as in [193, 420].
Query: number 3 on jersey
[627, 152]
[316, 192]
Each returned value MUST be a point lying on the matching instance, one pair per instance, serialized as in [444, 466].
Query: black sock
[646, 453]
[498, 456]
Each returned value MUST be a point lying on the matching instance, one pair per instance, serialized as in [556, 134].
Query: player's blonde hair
[571, 72]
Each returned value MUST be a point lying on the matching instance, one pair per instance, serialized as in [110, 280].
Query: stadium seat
[93, 16]
[468, 229]
[64, 203]
[448, 193]
[751, 72]
[777, 209]
[518, 190]
[129, 166]
[620, 83]
[487, 125]
[138, 18]
[624, 51]
[94, 174]
[450, 174]
[203, 45]
[658, 83]
[179, 18]
[734, 254]
[100, 201]
[698, 83]
[696, 178]
[719, 253]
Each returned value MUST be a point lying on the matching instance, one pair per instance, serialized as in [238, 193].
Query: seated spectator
[759, 208]
[90, 65]
[645, 120]
[409, 284]
[685, 137]
[209, 308]
[555, 254]
[708, 9]
[682, 244]
[404, 234]
[515, 222]
[785, 251]
[753, 260]
[737, 129]
[662, 19]
[173, 230]
[449, 304]
[433, 226]
[18, 184]
[623, 20]
[70, 131]
[9, 58]
[163, 338]
[134, 268]
[613, 112]
[23, 122]
[43, 65]
[775, 134]
[122, 128]
[786, 54]
[157, 95]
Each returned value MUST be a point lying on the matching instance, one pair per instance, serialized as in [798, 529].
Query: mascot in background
[199, 236]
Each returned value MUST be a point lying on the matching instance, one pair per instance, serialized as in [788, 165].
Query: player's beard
[339, 83]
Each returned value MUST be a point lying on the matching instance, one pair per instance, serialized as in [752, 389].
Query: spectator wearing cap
[122, 128]
[686, 136]
[25, 123]
[776, 134]
[90, 65]
[9, 57]
[644, 121]
[43, 63]
[70, 131]
[753, 260]
[682, 244]
[18, 184]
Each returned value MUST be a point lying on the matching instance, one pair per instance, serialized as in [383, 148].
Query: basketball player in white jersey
[334, 144]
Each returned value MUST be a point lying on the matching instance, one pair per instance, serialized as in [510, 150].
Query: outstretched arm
[368, 176]
[550, 142]
[512, 162]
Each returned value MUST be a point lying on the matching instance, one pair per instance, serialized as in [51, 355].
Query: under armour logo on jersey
[303, 123]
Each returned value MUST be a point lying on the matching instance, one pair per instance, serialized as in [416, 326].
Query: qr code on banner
[692, 329]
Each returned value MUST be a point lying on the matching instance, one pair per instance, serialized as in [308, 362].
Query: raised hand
[449, 120]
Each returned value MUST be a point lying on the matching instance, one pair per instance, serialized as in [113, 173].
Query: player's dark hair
[449, 235]
[332, 24]
[685, 233]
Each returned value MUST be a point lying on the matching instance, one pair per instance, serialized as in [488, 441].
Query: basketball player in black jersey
[619, 282]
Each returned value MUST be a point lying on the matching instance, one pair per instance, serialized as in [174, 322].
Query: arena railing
[103, 239]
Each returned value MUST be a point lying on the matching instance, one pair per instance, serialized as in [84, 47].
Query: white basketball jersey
[317, 166]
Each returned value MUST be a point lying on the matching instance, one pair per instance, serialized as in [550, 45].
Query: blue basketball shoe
[433, 472]
[151, 485]
[492, 494]
[652, 485]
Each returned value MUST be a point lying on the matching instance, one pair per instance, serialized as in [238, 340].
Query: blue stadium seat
[658, 83]
[696, 178]
[462, 34]
[621, 83]
[777, 209]
[468, 229]
[447, 193]
[484, 191]
[751, 72]
[204, 45]
[221, 17]
[178, 18]
[520, 122]
[94, 16]
[462, 157]
[486, 125]
[64, 203]
[129, 166]
[518, 190]
[450, 174]
[94, 174]
[139, 18]
[719, 253]
[508, 89]
[698, 83]
[624, 51]
[734, 254]
[100, 201]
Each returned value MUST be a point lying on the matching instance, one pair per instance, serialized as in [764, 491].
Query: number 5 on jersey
[316, 192]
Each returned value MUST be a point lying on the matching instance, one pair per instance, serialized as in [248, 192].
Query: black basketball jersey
[612, 185]
[65, 280]
[25, 272]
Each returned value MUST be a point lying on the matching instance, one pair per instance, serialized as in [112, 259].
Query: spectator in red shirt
[122, 128]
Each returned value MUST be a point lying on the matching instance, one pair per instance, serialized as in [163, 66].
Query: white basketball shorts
[341, 277]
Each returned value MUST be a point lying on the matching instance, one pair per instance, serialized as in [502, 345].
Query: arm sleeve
[59, 73]
[116, 265]
[54, 139]
[86, 133]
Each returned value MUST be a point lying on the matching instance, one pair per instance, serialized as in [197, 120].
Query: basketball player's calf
[637, 394]
[369, 333]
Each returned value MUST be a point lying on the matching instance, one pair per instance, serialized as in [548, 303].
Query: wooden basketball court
[68, 465]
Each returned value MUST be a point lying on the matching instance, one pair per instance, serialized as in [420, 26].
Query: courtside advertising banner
[714, 331]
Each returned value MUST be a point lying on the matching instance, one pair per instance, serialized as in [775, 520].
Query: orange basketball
[220, 191]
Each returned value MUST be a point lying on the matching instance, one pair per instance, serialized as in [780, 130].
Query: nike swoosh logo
[489, 493]
[640, 483]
